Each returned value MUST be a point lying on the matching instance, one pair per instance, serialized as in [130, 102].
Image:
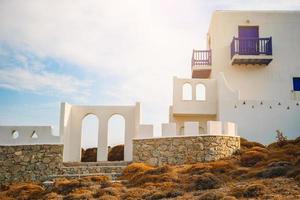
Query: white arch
[70, 128]
[89, 131]
[200, 92]
[187, 91]
[116, 130]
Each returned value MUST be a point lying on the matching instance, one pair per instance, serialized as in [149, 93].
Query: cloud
[141, 44]
[42, 82]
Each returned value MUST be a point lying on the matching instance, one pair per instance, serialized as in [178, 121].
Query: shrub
[89, 155]
[211, 196]
[133, 169]
[245, 144]
[207, 181]
[64, 186]
[116, 153]
[79, 193]
[24, 190]
[273, 172]
[254, 190]
[250, 158]
[136, 193]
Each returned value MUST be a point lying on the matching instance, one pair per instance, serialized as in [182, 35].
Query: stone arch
[200, 92]
[187, 91]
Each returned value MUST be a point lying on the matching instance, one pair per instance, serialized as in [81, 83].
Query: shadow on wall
[115, 153]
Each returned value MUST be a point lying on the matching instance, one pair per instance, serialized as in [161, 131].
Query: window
[187, 91]
[248, 32]
[296, 83]
[200, 92]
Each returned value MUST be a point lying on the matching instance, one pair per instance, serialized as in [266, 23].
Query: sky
[96, 52]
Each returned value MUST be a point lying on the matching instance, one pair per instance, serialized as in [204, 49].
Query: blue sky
[101, 52]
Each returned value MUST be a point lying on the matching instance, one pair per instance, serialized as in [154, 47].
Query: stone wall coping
[18, 145]
[186, 136]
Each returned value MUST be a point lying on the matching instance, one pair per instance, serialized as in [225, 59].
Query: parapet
[27, 135]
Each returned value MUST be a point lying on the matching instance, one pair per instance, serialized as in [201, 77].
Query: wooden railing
[201, 57]
[251, 46]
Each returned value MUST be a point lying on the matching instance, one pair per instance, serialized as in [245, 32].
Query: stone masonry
[29, 162]
[184, 149]
[44, 162]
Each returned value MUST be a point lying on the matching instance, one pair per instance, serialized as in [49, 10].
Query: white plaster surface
[168, 129]
[229, 128]
[145, 131]
[28, 135]
[214, 128]
[191, 128]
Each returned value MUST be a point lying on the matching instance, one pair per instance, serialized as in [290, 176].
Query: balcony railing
[201, 57]
[251, 46]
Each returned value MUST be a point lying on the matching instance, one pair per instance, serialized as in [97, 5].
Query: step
[99, 163]
[112, 176]
[91, 169]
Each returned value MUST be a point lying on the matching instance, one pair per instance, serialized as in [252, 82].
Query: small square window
[296, 83]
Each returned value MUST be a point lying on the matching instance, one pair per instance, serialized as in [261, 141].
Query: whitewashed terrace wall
[25, 135]
[258, 119]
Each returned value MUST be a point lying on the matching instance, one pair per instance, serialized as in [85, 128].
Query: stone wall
[184, 149]
[29, 162]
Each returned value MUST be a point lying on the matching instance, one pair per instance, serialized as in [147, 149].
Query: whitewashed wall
[27, 135]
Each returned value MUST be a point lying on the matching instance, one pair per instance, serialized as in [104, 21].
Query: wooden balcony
[201, 63]
[251, 51]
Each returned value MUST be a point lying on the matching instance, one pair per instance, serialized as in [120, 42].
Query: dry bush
[222, 166]
[250, 158]
[245, 144]
[254, 190]
[251, 191]
[197, 168]
[64, 186]
[142, 179]
[136, 193]
[80, 193]
[207, 181]
[97, 179]
[108, 197]
[164, 194]
[89, 155]
[52, 196]
[135, 168]
[162, 186]
[24, 191]
[229, 198]
[211, 195]
[116, 153]
[259, 149]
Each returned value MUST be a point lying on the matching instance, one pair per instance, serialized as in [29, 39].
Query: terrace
[201, 63]
[251, 50]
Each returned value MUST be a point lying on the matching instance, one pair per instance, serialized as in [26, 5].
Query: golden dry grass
[257, 171]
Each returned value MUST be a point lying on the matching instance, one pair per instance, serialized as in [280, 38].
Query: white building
[249, 75]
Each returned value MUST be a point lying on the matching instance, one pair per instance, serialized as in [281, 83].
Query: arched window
[187, 92]
[200, 92]
[89, 138]
[116, 137]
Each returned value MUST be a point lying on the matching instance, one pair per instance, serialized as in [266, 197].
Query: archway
[116, 137]
[89, 138]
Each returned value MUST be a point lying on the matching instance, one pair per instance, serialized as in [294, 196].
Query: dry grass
[257, 172]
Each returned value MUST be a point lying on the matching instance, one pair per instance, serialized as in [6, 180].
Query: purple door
[248, 40]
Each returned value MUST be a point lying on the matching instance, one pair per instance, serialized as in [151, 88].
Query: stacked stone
[184, 150]
[29, 162]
